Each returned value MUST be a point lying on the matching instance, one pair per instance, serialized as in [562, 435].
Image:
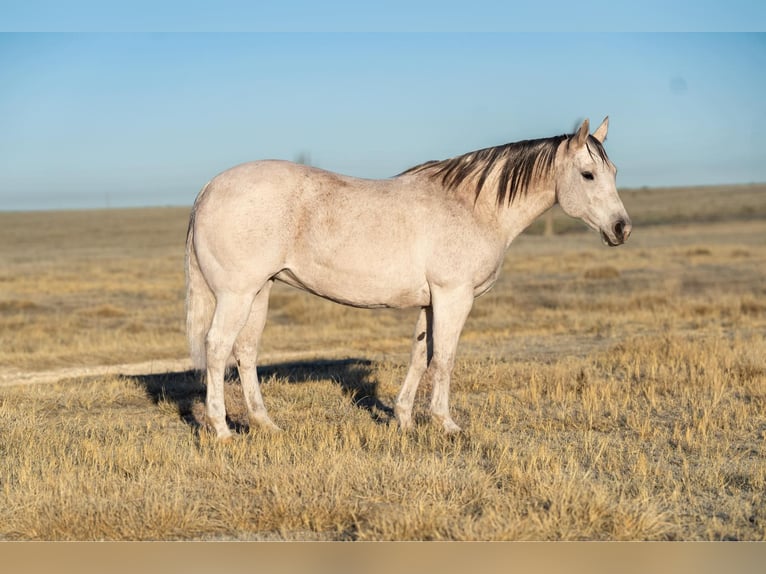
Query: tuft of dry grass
[605, 394]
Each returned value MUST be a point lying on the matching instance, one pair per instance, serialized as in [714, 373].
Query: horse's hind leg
[231, 313]
[246, 353]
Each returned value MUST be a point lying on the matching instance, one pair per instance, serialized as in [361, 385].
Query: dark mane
[517, 162]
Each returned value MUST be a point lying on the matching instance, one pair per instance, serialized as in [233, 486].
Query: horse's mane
[518, 163]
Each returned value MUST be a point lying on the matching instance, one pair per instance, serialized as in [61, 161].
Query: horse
[433, 237]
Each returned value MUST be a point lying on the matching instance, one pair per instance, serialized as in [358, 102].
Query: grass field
[605, 394]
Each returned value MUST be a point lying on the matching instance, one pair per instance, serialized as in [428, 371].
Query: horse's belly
[367, 288]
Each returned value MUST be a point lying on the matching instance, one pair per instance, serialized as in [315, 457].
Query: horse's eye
[587, 175]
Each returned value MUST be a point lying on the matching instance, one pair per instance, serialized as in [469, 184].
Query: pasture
[604, 394]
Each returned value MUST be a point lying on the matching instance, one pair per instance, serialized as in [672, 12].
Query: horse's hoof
[403, 419]
[218, 437]
[404, 424]
[222, 432]
[449, 426]
[265, 424]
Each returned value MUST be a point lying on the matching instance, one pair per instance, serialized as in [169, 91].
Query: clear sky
[95, 119]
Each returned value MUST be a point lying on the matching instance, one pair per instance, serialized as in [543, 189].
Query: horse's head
[586, 187]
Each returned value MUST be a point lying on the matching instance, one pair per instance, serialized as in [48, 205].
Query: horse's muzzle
[618, 234]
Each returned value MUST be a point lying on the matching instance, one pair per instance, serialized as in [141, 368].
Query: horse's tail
[200, 301]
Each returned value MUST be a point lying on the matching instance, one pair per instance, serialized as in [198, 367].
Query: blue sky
[94, 119]
[378, 16]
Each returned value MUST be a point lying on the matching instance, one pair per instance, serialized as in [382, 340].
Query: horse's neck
[526, 209]
[511, 219]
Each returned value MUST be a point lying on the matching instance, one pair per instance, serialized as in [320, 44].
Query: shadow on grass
[186, 390]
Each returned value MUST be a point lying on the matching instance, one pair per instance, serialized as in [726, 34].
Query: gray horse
[433, 237]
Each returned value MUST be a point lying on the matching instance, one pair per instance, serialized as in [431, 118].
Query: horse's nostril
[622, 230]
[619, 228]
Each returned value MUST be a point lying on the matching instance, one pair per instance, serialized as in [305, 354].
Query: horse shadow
[186, 389]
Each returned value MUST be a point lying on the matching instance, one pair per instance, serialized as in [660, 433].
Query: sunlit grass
[649, 440]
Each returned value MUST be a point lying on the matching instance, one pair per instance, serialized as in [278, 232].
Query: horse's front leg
[450, 310]
[422, 348]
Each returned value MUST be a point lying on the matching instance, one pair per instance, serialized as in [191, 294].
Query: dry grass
[609, 394]
[91, 287]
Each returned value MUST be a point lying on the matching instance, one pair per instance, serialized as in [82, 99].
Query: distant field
[609, 394]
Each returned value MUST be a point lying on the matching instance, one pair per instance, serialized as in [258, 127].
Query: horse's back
[252, 184]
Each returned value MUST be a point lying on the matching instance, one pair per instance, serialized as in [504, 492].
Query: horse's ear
[600, 133]
[578, 140]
